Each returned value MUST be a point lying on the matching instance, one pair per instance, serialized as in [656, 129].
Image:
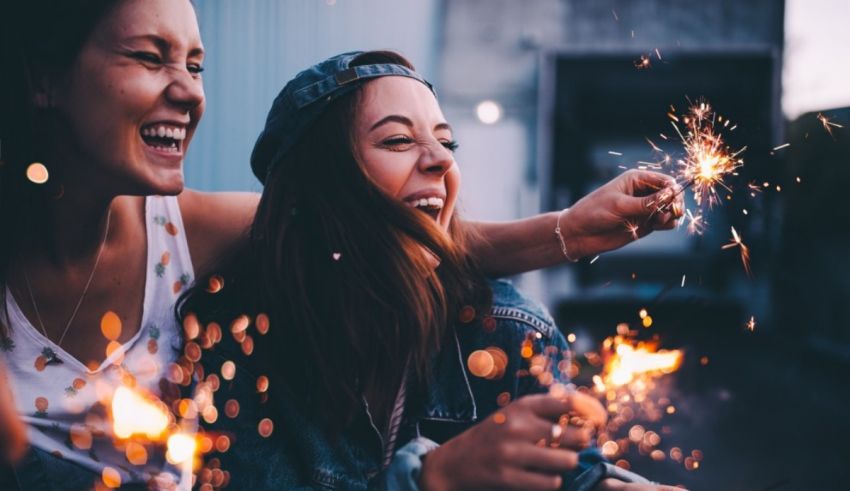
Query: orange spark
[745, 251]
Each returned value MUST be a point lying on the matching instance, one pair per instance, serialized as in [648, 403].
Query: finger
[521, 479]
[589, 408]
[547, 459]
[546, 406]
[645, 182]
[678, 206]
[663, 221]
[576, 438]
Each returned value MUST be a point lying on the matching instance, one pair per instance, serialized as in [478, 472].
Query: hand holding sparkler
[505, 452]
[624, 209]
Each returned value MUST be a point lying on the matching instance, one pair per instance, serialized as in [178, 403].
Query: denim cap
[306, 96]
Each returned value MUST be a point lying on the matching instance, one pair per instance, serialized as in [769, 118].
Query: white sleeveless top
[60, 398]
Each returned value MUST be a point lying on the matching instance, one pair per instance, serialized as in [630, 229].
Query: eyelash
[194, 68]
[451, 145]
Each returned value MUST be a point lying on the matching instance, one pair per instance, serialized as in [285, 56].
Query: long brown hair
[341, 269]
[39, 40]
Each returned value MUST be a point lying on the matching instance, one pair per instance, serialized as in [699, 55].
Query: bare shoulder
[216, 224]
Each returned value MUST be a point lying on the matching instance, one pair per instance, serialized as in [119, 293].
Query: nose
[185, 90]
[436, 159]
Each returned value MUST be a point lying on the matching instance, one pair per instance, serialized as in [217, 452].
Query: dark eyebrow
[163, 44]
[395, 118]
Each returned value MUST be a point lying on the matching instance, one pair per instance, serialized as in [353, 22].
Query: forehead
[173, 20]
[402, 96]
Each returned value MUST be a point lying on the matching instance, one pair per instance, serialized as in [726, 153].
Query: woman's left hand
[626, 208]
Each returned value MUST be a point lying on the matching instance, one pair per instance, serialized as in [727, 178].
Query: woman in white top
[100, 99]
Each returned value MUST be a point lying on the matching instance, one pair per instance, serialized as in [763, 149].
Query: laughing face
[131, 101]
[405, 145]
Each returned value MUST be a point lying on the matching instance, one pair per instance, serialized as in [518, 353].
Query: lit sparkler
[629, 361]
[751, 324]
[708, 159]
[631, 387]
[745, 251]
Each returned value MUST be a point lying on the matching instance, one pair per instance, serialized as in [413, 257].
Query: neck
[67, 229]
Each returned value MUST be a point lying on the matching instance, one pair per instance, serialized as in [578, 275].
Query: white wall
[817, 63]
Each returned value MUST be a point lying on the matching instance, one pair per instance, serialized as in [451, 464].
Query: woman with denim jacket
[375, 335]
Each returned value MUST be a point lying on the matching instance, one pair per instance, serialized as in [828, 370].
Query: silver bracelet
[561, 237]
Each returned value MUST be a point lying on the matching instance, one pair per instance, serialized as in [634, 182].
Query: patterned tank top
[66, 403]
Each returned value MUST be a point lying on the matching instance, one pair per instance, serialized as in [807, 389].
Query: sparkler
[708, 159]
[745, 251]
[629, 360]
[630, 385]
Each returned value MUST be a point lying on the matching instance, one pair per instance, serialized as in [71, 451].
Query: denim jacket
[299, 455]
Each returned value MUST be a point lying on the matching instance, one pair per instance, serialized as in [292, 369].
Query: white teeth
[162, 131]
[432, 202]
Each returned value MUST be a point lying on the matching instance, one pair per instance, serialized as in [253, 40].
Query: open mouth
[430, 206]
[166, 138]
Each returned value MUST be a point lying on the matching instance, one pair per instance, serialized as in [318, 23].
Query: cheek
[453, 184]
[390, 171]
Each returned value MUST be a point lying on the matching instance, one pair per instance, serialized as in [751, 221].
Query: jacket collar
[449, 396]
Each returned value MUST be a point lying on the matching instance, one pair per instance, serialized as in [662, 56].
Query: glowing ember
[632, 229]
[629, 361]
[181, 448]
[828, 124]
[643, 62]
[745, 251]
[134, 414]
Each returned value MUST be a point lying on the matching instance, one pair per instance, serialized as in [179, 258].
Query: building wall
[255, 46]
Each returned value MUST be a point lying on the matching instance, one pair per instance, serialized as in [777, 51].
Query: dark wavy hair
[39, 41]
[342, 271]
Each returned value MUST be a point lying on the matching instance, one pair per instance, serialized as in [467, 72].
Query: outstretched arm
[626, 208]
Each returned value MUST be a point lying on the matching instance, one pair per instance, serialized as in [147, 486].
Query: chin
[170, 185]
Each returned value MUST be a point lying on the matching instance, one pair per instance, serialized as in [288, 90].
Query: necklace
[80, 301]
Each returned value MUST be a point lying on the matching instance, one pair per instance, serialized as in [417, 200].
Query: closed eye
[451, 145]
[146, 57]
[397, 142]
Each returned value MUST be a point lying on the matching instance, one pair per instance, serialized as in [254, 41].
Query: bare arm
[217, 224]
[610, 217]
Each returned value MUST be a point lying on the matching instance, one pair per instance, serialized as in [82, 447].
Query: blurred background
[549, 100]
